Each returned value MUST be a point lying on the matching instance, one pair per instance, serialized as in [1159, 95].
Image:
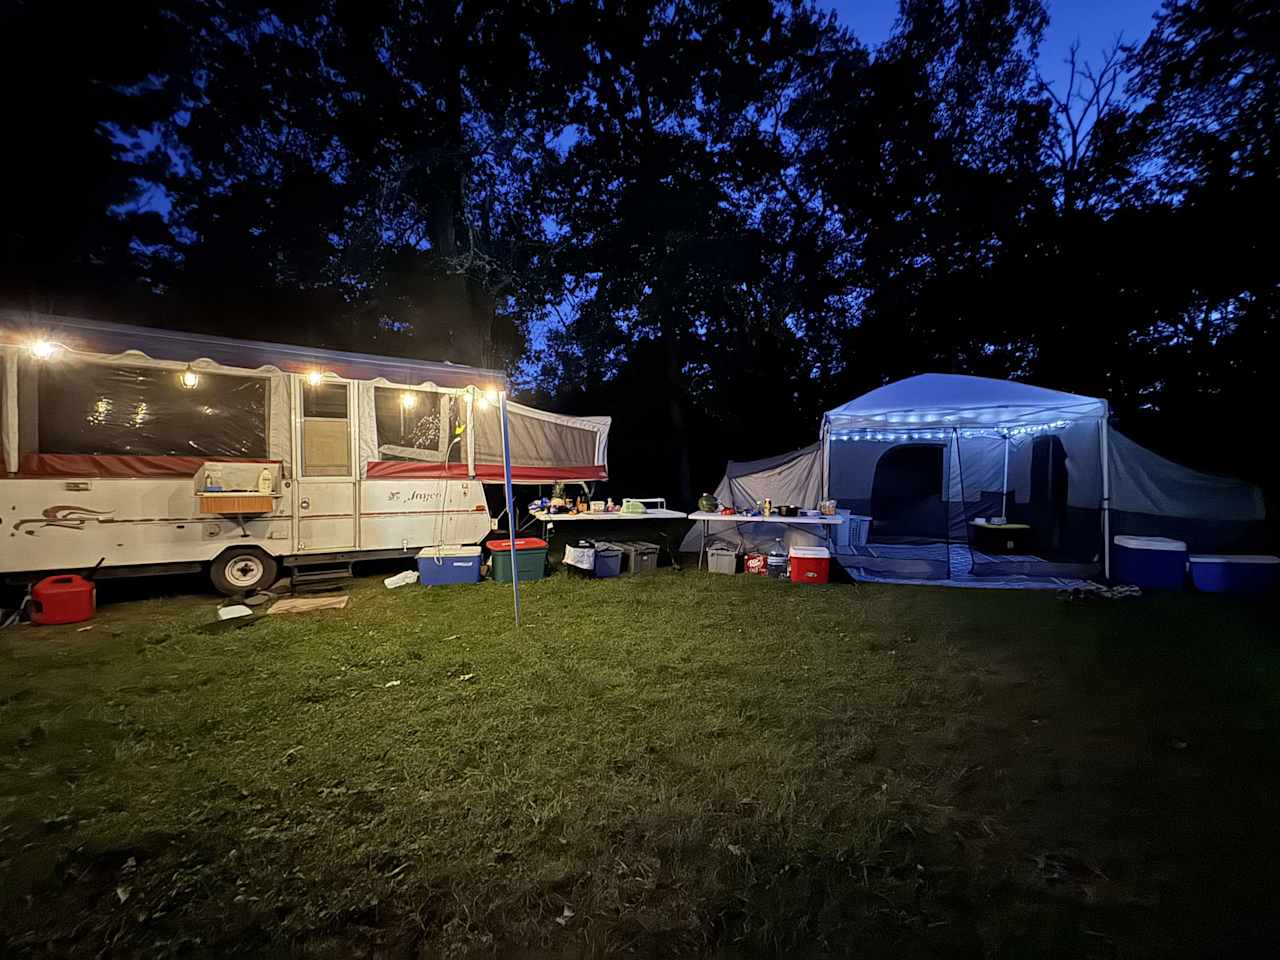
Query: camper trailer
[158, 451]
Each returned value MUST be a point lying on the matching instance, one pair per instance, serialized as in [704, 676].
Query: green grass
[672, 764]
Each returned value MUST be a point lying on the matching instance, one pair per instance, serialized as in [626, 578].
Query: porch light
[188, 379]
[408, 399]
[315, 378]
[42, 349]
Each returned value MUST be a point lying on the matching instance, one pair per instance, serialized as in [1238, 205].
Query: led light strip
[896, 436]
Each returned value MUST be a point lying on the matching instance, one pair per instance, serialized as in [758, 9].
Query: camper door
[324, 437]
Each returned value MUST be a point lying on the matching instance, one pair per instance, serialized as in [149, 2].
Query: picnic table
[707, 519]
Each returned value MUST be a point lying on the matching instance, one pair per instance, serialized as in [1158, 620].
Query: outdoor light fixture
[43, 349]
[188, 379]
[315, 378]
[488, 398]
[408, 399]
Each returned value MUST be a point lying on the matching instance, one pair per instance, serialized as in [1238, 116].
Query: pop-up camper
[163, 451]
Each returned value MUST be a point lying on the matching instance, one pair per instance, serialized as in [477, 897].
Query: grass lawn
[667, 765]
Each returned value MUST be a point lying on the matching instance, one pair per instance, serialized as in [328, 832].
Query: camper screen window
[412, 424]
[91, 408]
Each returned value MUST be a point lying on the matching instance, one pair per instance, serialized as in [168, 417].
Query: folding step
[317, 577]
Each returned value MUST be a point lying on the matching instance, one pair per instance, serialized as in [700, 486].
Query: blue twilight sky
[1094, 22]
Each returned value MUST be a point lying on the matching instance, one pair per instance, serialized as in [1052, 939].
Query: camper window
[326, 426]
[412, 424]
[100, 409]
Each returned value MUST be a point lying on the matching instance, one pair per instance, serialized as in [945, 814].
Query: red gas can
[64, 599]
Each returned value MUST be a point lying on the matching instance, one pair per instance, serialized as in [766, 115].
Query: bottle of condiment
[265, 483]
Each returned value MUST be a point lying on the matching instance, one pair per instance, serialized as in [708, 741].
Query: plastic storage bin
[638, 556]
[1153, 563]
[1217, 573]
[441, 565]
[852, 533]
[63, 599]
[608, 560]
[531, 558]
[722, 560]
[580, 557]
[810, 564]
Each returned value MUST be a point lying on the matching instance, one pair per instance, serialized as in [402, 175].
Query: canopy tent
[108, 401]
[794, 477]
[929, 456]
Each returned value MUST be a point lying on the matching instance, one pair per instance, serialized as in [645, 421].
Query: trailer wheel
[242, 570]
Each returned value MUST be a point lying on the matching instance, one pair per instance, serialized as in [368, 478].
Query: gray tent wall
[1152, 496]
[794, 477]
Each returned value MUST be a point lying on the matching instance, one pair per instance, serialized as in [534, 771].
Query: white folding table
[708, 518]
[652, 513]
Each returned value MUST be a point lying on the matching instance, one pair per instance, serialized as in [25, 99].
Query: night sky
[1095, 23]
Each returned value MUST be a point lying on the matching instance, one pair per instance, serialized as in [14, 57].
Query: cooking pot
[788, 510]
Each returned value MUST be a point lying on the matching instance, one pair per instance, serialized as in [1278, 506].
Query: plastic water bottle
[777, 562]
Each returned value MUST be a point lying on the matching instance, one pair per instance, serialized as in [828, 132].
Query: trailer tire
[238, 570]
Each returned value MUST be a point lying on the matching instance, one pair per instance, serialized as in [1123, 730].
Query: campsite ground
[667, 764]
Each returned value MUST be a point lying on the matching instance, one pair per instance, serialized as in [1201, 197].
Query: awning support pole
[511, 511]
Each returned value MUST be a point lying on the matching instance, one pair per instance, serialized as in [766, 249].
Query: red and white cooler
[810, 564]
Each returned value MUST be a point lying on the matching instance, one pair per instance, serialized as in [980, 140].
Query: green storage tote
[531, 558]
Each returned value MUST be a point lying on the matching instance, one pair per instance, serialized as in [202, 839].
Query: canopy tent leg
[1106, 497]
[964, 510]
[826, 460]
[1004, 484]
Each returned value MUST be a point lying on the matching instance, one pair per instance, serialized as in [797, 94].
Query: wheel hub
[244, 571]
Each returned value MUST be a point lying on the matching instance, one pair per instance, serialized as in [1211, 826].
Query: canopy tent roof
[96, 336]
[948, 400]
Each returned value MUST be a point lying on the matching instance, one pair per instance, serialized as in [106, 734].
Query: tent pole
[1106, 496]
[1004, 484]
[470, 400]
[511, 512]
[826, 458]
[964, 510]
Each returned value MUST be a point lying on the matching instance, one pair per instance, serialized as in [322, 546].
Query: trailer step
[317, 577]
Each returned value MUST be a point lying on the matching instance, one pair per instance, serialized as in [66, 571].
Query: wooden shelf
[235, 503]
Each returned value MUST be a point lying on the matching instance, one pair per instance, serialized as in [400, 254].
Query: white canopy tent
[1043, 457]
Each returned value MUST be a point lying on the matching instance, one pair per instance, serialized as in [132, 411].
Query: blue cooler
[1238, 574]
[441, 565]
[1152, 563]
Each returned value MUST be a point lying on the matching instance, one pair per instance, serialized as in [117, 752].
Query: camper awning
[95, 336]
[952, 401]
